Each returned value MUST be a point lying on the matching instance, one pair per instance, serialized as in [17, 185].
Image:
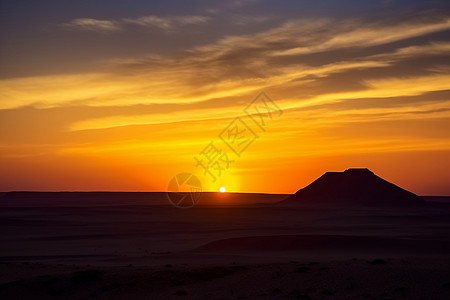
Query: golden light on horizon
[354, 92]
[222, 189]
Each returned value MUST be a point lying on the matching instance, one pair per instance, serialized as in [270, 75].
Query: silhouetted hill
[354, 187]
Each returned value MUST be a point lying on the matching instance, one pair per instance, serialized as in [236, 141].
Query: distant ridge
[353, 187]
[102, 198]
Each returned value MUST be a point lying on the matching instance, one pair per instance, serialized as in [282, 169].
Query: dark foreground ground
[89, 249]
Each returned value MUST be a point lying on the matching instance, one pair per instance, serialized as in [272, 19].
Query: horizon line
[217, 192]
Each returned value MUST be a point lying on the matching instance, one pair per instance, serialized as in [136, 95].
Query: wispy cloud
[167, 23]
[433, 48]
[356, 34]
[141, 95]
[93, 25]
[234, 65]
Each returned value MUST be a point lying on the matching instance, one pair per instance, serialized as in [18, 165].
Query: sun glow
[222, 189]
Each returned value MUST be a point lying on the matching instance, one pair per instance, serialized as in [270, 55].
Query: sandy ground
[409, 278]
[136, 251]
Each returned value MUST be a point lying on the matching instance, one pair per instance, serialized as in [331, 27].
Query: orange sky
[355, 92]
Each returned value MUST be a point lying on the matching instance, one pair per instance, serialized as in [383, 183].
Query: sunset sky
[123, 95]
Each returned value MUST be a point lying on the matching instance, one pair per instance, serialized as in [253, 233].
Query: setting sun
[121, 122]
[265, 100]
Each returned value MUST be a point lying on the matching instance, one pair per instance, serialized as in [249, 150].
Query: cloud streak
[234, 68]
[355, 34]
[166, 23]
[231, 66]
[87, 24]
